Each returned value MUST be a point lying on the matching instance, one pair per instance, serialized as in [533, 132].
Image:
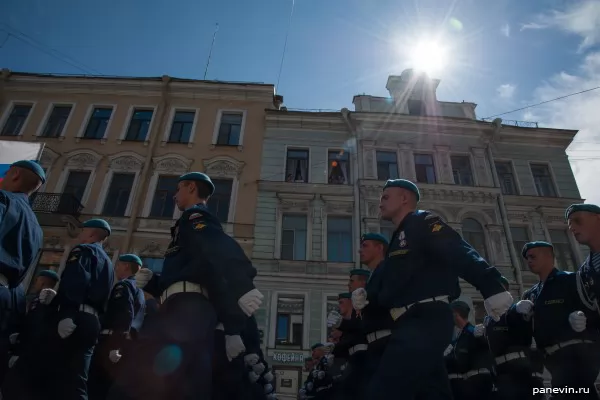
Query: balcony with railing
[51, 208]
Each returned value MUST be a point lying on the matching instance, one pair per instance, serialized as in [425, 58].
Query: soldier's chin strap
[585, 299]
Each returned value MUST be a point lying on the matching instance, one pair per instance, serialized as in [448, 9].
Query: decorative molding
[458, 196]
[518, 217]
[223, 167]
[295, 202]
[155, 225]
[171, 163]
[127, 161]
[555, 219]
[372, 209]
[48, 158]
[119, 223]
[345, 207]
[152, 248]
[83, 159]
[52, 242]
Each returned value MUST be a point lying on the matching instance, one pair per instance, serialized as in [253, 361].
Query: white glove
[359, 299]
[578, 321]
[234, 346]
[479, 330]
[268, 388]
[66, 327]
[253, 376]
[314, 374]
[329, 358]
[114, 356]
[250, 302]
[448, 350]
[251, 359]
[334, 319]
[524, 307]
[321, 375]
[302, 394]
[13, 338]
[46, 296]
[142, 277]
[258, 368]
[498, 304]
[220, 327]
[12, 361]
[309, 386]
[269, 377]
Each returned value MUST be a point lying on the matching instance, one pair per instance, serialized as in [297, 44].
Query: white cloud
[576, 112]
[506, 91]
[581, 18]
[505, 30]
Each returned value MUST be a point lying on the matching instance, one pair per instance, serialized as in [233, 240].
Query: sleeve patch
[195, 216]
[199, 227]
[436, 228]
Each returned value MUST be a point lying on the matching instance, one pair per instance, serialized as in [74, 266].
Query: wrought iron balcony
[56, 203]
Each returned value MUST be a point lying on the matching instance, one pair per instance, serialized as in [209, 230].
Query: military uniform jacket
[589, 281]
[21, 236]
[125, 310]
[200, 252]
[510, 334]
[553, 301]
[426, 257]
[468, 352]
[375, 317]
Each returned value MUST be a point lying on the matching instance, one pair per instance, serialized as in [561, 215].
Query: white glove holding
[253, 376]
[269, 377]
[498, 304]
[329, 358]
[250, 302]
[321, 375]
[251, 359]
[234, 346]
[524, 307]
[359, 299]
[46, 296]
[334, 319]
[268, 388]
[12, 361]
[314, 374]
[479, 330]
[578, 321]
[142, 277]
[114, 356]
[66, 327]
[448, 350]
[258, 368]
[13, 338]
[309, 386]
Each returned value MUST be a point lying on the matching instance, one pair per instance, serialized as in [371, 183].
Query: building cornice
[292, 189]
[548, 204]
[321, 121]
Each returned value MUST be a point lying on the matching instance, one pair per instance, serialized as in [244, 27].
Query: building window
[387, 165]
[293, 237]
[520, 237]
[230, 128]
[139, 125]
[461, 170]
[155, 264]
[339, 239]
[289, 328]
[163, 204]
[96, 127]
[332, 305]
[339, 168]
[118, 195]
[416, 107]
[77, 183]
[424, 168]
[472, 233]
[296, 169]
[563, 252]
[16, 120]
[543, 180]
[220, 201]
[181, 129]
[57, 121]
[506, 177]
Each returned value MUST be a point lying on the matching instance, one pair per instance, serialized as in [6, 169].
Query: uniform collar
[551, 275]
[199, 205]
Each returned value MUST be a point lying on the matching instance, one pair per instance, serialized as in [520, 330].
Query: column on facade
[407, 162]
[444, 165]
[482, 168]
[368, 158]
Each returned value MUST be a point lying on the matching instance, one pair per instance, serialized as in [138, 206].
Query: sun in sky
[428, 56]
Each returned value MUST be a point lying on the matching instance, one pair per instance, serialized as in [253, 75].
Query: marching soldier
[560, 323]
[424, 261]
[121, 323]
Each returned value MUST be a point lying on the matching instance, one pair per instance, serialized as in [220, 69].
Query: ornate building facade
[114, 148]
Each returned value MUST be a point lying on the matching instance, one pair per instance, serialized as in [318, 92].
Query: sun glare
[429, 57]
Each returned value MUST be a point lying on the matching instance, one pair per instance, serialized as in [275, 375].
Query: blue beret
[460, 305]
[97, 223]
[132, 258]
[198, 177]
[581, 207]
[316, 346]
[403, 184]
[33, 167]
[533, 245]
[360, 272]
[346, 295]
[375, 236]
[48, 273]
[504, 281]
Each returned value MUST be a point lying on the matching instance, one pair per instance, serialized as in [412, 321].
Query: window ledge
[215, 145]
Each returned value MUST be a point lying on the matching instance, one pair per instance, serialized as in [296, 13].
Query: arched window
[472, 232]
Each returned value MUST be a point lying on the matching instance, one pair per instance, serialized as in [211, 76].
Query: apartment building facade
[114, 148]
[322, 173]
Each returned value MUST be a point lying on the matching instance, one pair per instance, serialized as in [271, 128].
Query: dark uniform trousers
[230, 378]
[174, 360]
[352, 382]
[575, 366]
[372, 357]
[102, 370]
[12, 311]
[515, 379]
[412, 366]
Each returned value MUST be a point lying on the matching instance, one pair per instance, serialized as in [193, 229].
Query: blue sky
[502, 54]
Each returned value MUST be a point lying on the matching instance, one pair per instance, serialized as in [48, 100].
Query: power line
[285, 44]
[543, 102]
